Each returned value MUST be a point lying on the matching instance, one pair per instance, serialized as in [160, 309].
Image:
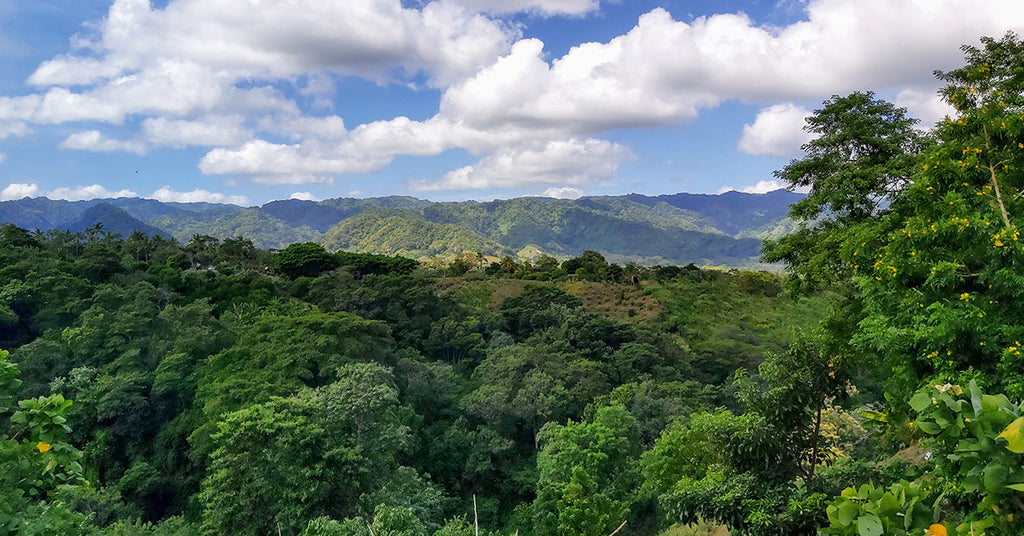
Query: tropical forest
[868, 382]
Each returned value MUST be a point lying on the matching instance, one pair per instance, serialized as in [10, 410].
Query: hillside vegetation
[718, 230]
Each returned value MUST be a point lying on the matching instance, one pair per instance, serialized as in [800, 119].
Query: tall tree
[861, 157]
[941, 283]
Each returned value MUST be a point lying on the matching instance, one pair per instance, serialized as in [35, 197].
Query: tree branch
[995, 182]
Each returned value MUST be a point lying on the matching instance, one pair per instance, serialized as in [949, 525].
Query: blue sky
[247, 101]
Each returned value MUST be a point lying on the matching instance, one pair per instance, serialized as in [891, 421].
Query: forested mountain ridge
[680, 228]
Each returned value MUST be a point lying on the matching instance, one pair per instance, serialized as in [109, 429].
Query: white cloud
[275, 163]
[368, 38]
[16, 129]
[81, 193]
[18, 191]
[572, 162]
[631, 81]
[567, 192]
[763, 187]
[304, 196]
[544, 7]
[211, 132]
[166, 195]
[777, 131]
[924, 105]
[92, 140]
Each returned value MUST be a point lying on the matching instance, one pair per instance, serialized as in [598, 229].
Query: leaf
[874, 415]
[928, 427]
[995, 477]
[847, 512]
[1018, 487]
[1014, 436]
[976, 398]
[920, 401]
[869, 525]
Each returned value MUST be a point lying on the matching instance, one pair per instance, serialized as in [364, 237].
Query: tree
[36, 461]
[792, 392]
[279, 464]
[306, 259]
[587, 475]
[940, 281]
[862, 156]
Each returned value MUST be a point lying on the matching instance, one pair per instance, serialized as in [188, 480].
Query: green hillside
[679, 228]
[405, 233]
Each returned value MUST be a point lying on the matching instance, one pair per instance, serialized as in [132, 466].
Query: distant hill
[113, 220]
[677, 228]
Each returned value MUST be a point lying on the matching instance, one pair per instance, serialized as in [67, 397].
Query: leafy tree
[863, 155]
[278, 464]
[941, 280]
[536, 308]
[13, 236]
[792, 392]
[587, 475]
[36, 463]
[281, 351]
[306, 259]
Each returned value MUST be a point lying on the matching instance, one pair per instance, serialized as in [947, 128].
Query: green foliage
[588, 477]
[973, 478]
[939, 277]
[536, 308]
[863, 153]
[305, 259]
[36, 463]
[289, 460]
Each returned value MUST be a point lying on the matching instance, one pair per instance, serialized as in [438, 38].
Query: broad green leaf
[1014, 436]
[995, 477]
[869, 525]
[920, 401]
[847, 512]
[1018, 487]
[929, 427]
[976, 398]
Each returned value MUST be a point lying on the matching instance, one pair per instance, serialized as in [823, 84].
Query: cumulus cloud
[544, 7]
[777, 131]
[566, 192]
[81, 193]
[92, 140]
[371, 39]
[304, 196]
[200, 73]
[763, 187]
[15, 129]
[571, 162]
[276, 163]
[167, 195]
[19, 191]
[210, 132]
[924, 105]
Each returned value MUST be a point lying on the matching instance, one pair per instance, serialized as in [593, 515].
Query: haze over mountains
[678, 228]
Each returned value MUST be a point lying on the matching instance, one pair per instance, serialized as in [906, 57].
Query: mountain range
[725, 229]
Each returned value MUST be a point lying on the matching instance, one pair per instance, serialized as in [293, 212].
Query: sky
[247, 101]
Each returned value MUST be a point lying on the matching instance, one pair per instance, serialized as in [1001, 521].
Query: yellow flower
[965, 296]
[43, 447]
